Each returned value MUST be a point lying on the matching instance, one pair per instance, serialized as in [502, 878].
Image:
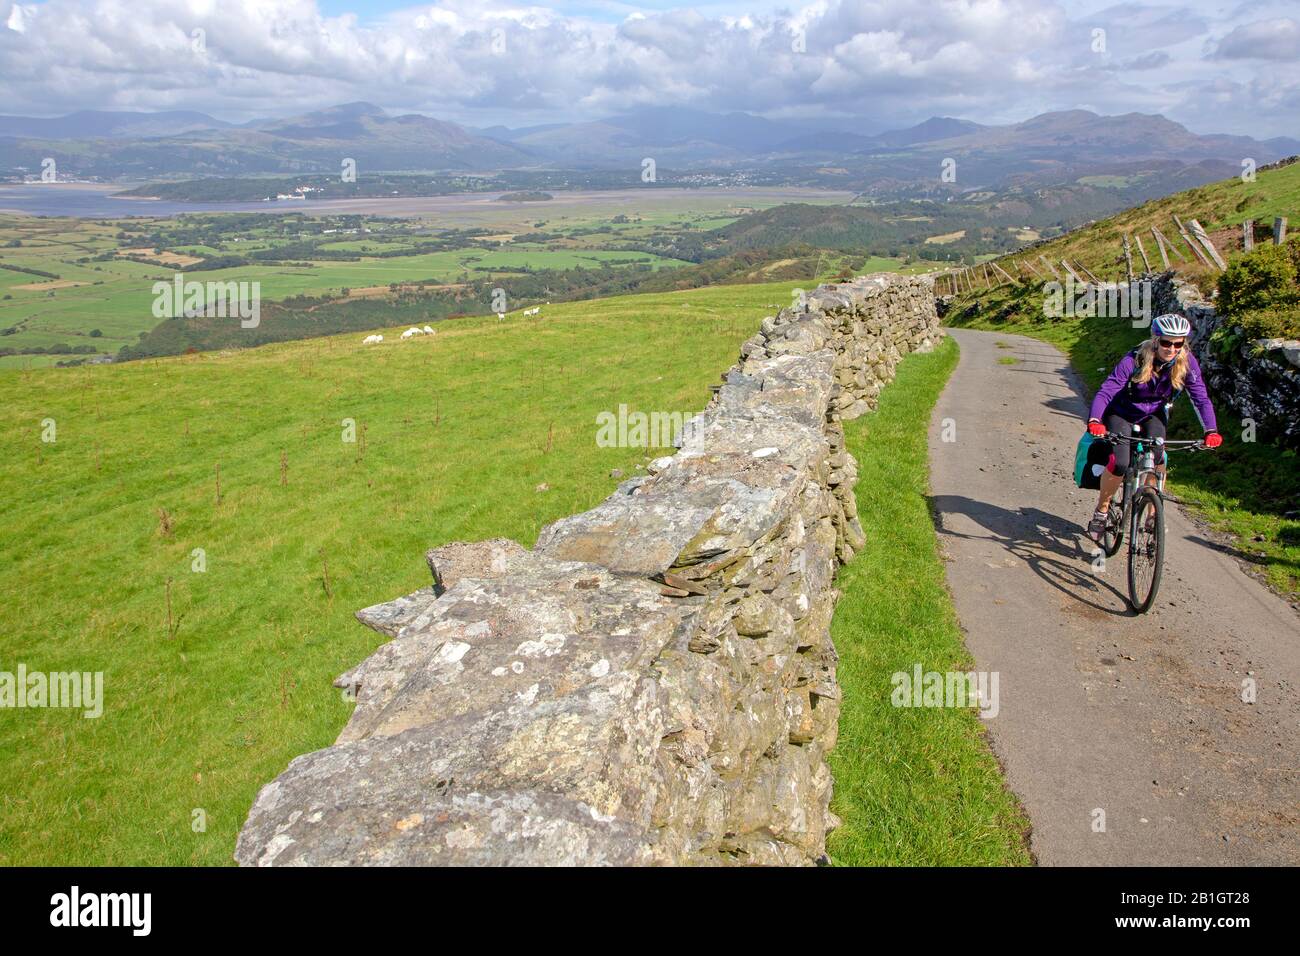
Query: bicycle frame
[1144, 480]
[1142, 461]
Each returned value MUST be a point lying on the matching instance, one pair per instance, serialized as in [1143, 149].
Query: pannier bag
[1090, 460]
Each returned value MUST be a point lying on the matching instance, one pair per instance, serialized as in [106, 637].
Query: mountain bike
[1138, 511]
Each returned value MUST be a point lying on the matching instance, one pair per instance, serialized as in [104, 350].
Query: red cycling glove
[1096, 429]
[1213, 439]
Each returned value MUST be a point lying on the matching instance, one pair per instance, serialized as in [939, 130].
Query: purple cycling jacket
[1134, 402]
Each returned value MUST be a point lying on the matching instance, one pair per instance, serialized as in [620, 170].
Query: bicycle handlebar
[1177, 445]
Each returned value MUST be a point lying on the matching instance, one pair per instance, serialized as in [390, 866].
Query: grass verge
[913, 786]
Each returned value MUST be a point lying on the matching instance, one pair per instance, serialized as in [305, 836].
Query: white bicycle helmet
[1171, 323]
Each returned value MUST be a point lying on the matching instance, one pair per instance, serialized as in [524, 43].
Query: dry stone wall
[654, 682]
[1258, 379]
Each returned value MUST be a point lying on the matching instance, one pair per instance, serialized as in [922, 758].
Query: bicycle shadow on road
[1043, 541]
[1065, 406]
[1069, 406]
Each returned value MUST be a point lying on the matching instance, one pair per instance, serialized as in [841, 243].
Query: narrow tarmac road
[1139, 718]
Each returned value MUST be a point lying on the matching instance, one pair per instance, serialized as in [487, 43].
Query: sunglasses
[1171, 344]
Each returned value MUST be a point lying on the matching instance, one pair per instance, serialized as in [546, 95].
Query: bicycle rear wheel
[1146, 549]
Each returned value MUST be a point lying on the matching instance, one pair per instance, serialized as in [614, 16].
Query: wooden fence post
[1279, 230]
[1146, 263]
[1128, 258]
[1088, 272]
[1248, 235]
[1182, 231]
[1203, 238]
[1160, 247]
[1166, 247]
[1077, 278]
[1003, 271]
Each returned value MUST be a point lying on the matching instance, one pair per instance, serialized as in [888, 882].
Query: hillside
[939, 227]
[1221, 207]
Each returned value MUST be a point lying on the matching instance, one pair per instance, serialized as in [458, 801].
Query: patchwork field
[98, 295]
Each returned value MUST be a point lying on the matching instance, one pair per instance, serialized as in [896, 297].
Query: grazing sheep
[428, 330]
[533, 311]
[372, 339]
[408, 333]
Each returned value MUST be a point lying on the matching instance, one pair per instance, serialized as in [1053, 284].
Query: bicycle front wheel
[1146, 549]
[1113, 536]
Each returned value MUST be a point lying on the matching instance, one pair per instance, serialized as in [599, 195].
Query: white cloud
[893, 60]
[1147, 61]
[1262, 40]
[17, 20]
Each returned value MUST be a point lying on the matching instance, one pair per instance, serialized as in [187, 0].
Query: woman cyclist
[1138, 392]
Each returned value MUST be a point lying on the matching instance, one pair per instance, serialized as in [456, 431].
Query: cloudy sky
[1216, 67]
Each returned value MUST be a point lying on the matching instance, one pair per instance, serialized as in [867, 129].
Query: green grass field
[454, 435]
[914, 787]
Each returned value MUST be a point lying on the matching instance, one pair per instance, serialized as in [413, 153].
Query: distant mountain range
[1043, 148]
[93, 124]
[675, 136]
[1081, 133]
[313, 142]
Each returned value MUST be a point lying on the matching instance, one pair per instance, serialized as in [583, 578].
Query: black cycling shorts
[1153, 426]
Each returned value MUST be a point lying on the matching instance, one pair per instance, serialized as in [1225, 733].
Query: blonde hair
[1146, 365]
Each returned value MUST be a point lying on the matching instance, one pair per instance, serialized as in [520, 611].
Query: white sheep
[372, 339]
[408, 333]
[428, 330]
